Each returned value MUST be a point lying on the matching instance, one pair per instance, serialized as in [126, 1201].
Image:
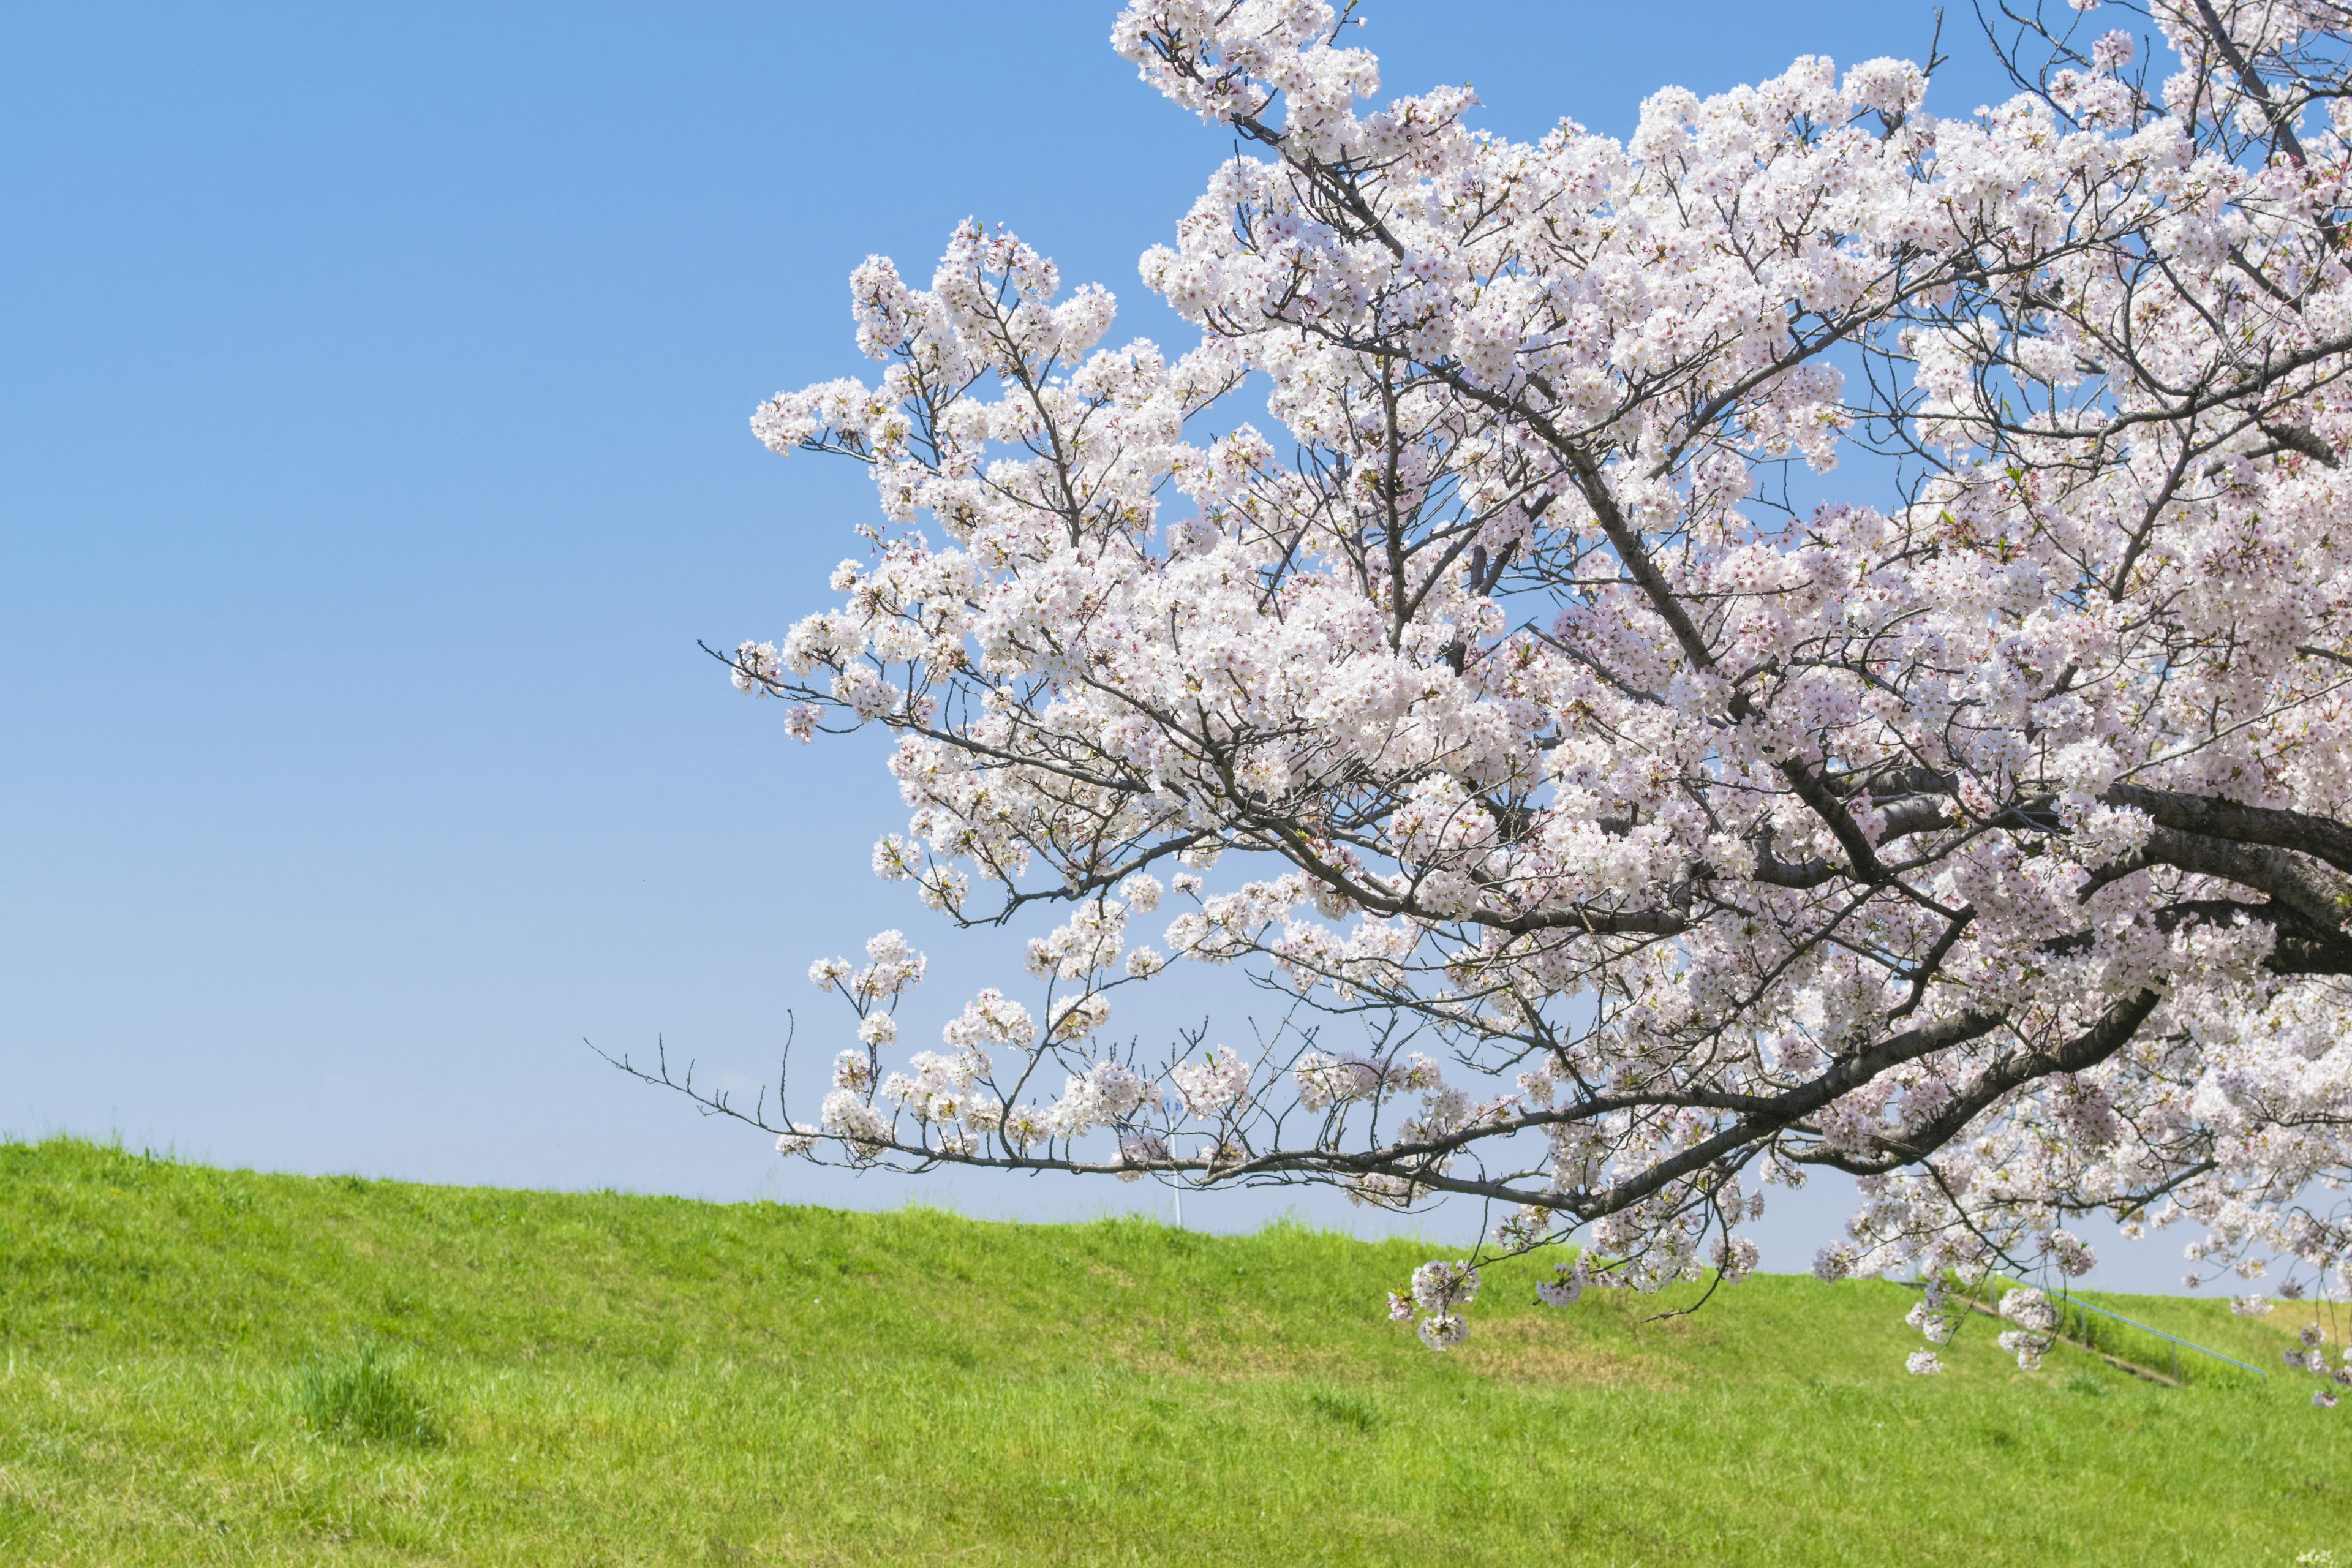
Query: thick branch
[2324, 836]
[2101, 1040]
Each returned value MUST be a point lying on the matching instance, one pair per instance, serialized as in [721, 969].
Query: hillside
[595, 1378]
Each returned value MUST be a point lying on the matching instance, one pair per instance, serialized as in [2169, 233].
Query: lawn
[194, 1360]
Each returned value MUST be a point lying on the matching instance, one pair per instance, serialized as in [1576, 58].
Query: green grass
[365, 1398]
[204, 1367]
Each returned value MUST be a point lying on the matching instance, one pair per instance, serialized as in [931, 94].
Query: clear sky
[372, 452]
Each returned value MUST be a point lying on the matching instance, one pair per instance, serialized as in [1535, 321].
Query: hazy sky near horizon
[373, 454]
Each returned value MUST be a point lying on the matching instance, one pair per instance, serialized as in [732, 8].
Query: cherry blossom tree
[1816, 637]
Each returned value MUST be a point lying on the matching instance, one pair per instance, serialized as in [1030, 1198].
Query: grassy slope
[649, 1380]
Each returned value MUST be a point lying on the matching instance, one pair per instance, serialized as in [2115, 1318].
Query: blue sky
[372, 390]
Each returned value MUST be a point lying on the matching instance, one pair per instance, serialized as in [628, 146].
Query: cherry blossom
[1816, 636]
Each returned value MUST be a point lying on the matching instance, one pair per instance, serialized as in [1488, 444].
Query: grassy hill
[582, 1378]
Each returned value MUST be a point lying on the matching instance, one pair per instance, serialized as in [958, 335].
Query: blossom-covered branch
[1631, 809]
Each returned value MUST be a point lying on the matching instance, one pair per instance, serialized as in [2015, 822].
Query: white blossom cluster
[2035, 1321]
[1984, 831]
[1437, 1291]
[2310, 1354]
